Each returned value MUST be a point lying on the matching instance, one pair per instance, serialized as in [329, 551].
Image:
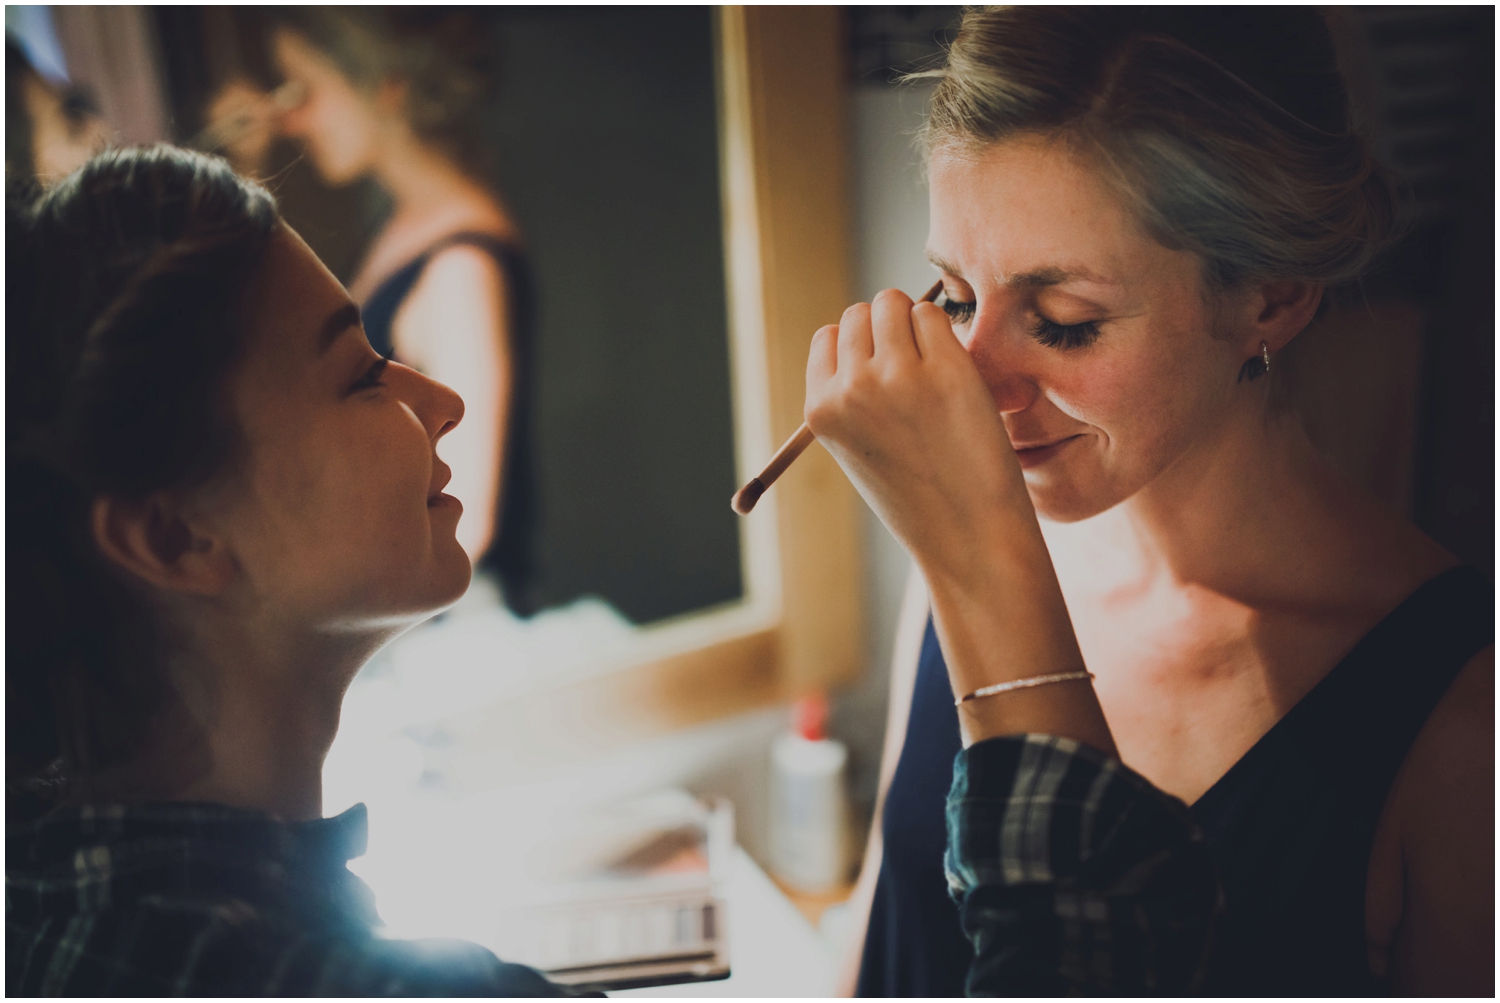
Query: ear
[1279, 311]
[154, 540]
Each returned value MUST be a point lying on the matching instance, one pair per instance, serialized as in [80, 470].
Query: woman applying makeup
[221, 501]
[1136, 213]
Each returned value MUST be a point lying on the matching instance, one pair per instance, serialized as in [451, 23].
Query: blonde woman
[1225, 723]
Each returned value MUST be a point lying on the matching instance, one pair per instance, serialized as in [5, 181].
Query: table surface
[773, 950]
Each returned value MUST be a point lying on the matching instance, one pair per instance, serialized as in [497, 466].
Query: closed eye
[1065, 336]
[958, 311]
[1047, 332]
[372, 376]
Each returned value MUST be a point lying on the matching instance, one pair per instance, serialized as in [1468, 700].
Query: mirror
[600, 136]
[606, 143]
[678, 179]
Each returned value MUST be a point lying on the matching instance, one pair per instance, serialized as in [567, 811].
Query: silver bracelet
[1021, 684]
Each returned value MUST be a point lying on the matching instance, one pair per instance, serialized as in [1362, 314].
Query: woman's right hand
[894, 396]
[896, 399]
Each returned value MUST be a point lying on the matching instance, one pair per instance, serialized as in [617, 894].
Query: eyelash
[1048, 333]
[371, 378]
[1065, 336]
[958, 311]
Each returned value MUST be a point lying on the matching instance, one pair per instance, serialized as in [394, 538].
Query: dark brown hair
[123, 287]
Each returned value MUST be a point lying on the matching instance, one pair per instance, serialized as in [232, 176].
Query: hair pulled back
[1226, 130]
[124, 284]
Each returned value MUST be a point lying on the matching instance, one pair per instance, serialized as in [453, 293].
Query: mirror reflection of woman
[395, 95]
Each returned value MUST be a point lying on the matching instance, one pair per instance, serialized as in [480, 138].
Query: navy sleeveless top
[510, 555]
[1289, 826]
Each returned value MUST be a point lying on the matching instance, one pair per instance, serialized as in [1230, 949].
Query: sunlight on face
[1095, 340]
[336, 516]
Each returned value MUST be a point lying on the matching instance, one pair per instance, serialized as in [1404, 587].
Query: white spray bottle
[809, 804]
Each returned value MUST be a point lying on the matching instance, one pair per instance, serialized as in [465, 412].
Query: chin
[458, 573]
[335, 170]
[1070, 502]
[434, 585]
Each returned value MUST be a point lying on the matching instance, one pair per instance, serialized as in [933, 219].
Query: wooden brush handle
[745, 498]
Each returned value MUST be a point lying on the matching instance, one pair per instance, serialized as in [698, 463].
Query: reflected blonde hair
[1208, 162]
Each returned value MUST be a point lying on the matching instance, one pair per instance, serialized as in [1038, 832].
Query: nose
[289, 110]
[436, 406]
[289, 122]
[1002, 352]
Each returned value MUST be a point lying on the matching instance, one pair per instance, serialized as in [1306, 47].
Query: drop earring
[1256, 366]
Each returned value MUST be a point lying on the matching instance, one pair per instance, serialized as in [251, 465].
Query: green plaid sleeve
[1074, 875]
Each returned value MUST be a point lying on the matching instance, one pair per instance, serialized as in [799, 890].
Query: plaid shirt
[1074, 875]
[200, 900]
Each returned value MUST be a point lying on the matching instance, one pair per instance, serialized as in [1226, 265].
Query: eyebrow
[1038, 278]
[338, 322]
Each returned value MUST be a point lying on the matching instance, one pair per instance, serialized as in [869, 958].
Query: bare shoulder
[461, 284]
[457, 308]
[1430, 899]
[410, 235]
[462, 267]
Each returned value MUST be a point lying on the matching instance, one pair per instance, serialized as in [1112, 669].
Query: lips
[1036, 453]
[443, 474]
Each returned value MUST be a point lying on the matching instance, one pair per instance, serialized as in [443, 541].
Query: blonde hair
[1173, 107]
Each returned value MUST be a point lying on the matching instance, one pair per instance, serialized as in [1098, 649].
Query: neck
[1230, 517]
[418, 178]
[253, 720]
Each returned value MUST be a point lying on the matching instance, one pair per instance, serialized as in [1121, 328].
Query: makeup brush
[745, 498]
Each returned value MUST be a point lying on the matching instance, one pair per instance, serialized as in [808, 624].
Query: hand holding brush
[745, 498]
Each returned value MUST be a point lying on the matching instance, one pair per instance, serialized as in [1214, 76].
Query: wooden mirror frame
[783, 164]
